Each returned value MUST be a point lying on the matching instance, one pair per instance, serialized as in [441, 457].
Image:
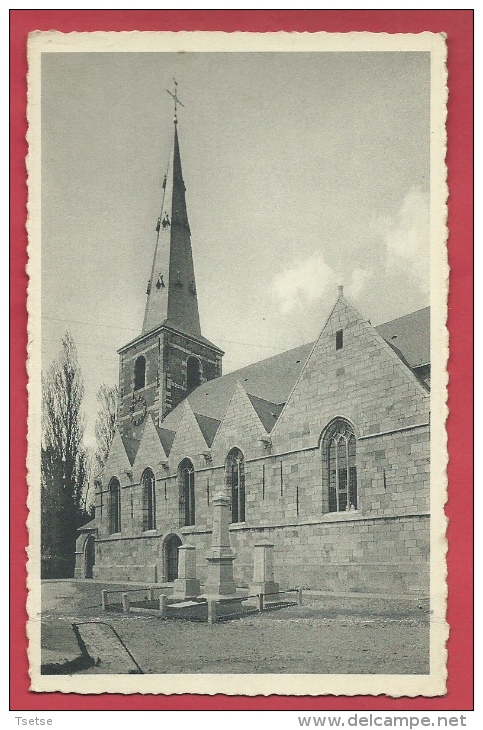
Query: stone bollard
[163, 602]
[211, 611]
[105, 600]
[186, 585]
[151, 593]
[299, 591]
[263, 581]
[260, 602]
[125, 602]
[220, 582]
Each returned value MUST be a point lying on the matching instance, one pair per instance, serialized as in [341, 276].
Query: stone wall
[354, 554]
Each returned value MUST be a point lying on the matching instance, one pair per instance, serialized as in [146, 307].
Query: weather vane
[176, 100]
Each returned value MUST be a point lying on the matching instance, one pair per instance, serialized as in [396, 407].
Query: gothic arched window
[235, 481]
[149, 500]
[114, 506]
[193, 374]
[186, 493]
[140, 373]
[340, 458]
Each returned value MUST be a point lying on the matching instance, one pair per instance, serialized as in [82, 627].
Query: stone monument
[263, 581]
[220, 583]
[186, 585]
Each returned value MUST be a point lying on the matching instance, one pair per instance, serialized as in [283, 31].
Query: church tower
[170, 357]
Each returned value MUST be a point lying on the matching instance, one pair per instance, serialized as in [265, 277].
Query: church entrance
[171, 557]
[90, 555]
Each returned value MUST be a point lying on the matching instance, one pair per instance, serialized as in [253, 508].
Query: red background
[458, 25]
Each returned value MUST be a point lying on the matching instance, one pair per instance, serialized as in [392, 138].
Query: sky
[303, 171]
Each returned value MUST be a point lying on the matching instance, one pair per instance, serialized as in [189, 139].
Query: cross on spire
[176, 100]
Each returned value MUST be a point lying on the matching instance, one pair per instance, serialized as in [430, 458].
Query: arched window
[193, 374]
[140, 372]
[340, 458]
[149, 500]
[186, 493]
[114, 506]
[235, 481]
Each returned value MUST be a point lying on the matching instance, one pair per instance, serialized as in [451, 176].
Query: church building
[323, 450]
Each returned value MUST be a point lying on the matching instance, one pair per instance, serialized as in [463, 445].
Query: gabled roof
[269, 382]
[91, 525]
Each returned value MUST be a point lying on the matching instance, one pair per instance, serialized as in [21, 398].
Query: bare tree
[106, 421]
[64, 460]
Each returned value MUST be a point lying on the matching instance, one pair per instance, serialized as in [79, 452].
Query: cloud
[311, 280]
[406, 236]
[357, 282]
[304, 282]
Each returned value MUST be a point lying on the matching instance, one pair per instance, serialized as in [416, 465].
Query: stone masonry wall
[354, 555]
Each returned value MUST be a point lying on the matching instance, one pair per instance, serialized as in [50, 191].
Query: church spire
[171, 291]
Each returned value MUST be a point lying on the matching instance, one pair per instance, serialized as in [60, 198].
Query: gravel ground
[326, 635]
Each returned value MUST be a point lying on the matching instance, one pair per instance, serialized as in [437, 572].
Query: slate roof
[92, 525]
[208, 427]
[266, 411]
[166, 437]
[269, 382]
[131, 447]
[409, 335]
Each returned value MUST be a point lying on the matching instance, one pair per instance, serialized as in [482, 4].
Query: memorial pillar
[220, 559]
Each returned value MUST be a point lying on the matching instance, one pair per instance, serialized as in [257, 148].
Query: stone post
[163, 602]
[105, 600]
[125, 602]
[220, 583]
[186, 585]
[263, 572]
[211, 611]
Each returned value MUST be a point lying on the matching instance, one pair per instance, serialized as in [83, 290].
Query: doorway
[90, 555]
[171, 547]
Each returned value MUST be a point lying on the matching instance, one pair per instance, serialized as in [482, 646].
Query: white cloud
[357, 282]
[407, 236]
[312, 279]
[304, 282]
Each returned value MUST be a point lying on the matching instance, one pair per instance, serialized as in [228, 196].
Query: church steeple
[171, 291]
[170, 358]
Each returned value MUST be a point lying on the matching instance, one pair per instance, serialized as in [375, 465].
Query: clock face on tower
[138, 409]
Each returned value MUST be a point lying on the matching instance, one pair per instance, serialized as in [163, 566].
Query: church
[323, 450]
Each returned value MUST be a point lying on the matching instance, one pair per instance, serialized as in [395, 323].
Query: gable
[150, 452]
[189, 440]
[117, 461]
[241, 426]
[363, 380]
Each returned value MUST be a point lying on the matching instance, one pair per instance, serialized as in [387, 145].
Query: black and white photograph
[237, 307]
